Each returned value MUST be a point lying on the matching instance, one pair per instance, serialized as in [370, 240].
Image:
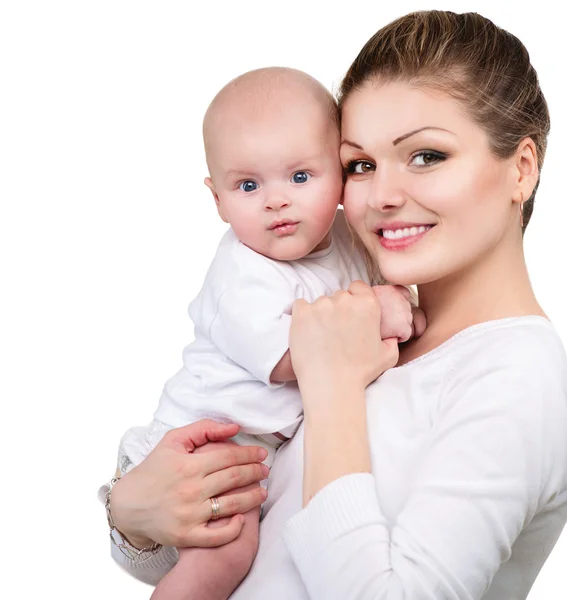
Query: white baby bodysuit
[242, 317]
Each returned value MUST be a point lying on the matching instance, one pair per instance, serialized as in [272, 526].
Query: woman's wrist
[139, 543]
[135, 538]
[336, 439]
[322, 393]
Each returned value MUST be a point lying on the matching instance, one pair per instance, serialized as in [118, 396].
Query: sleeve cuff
[150, 571]
[343, 506]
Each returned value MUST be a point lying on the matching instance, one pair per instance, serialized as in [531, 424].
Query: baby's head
[272, 146]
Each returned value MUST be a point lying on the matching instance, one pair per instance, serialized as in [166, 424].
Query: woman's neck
[495, 287]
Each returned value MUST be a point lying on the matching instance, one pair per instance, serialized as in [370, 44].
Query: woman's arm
[336, 440]
[166, 498]
[336, 352]
[478, 485]
[495, 459]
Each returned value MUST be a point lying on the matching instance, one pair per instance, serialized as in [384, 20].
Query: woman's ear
[526, 169]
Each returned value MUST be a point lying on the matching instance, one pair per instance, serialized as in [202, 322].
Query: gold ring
[215, 509]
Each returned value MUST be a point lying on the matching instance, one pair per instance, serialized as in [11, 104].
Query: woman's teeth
[396, 234]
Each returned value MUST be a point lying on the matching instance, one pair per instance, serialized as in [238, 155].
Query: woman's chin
[405, 276]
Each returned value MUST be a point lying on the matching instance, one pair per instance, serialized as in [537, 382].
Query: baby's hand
[419, 322]
[399, 319]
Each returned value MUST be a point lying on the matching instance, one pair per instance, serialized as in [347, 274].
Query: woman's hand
[336, 340]
[166, 498]
[336, 351]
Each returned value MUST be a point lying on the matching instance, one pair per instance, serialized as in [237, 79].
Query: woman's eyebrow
[401, 138]
[407, 135]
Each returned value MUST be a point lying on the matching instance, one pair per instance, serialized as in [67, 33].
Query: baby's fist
[397, 317]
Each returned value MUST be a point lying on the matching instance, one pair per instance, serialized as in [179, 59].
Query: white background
[106, 230]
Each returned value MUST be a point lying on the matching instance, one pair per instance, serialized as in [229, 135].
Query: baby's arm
[213, 573]
[283, 371]
[399, 319]
[252, 315]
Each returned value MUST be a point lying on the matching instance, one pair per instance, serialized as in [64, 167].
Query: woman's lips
[402, 238]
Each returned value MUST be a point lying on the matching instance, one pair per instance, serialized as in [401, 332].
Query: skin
[472, 198]
[272, 149]
[175, 476]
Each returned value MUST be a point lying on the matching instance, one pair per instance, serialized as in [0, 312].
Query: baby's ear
[209, 183]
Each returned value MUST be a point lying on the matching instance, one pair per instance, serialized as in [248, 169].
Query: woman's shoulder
[511, 375]
[498, 362]
[516, 365]
[524, 342]
[528, 342]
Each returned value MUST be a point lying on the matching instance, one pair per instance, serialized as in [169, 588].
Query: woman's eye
[300, 177]
[360, 166]
[248, 186]
[427, 158]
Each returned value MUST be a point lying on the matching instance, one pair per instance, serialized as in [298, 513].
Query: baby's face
[277, 178]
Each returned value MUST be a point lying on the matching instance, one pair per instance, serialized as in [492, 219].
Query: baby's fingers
[419, 321]
[209, 537]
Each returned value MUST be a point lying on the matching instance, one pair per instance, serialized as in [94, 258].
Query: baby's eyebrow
[238, 173]
[303, 162]
[349, 143]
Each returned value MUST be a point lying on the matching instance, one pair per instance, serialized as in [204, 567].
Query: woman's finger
[235, 503]
[234, 478]
[229, 455]
[359, 287]
[298, 305]
[391, 354]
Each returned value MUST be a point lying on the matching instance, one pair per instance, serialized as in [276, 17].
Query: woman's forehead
[389, 111]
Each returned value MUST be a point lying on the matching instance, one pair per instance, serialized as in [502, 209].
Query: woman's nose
[387, 193]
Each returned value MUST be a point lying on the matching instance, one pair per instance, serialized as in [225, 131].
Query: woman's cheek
[354, 205]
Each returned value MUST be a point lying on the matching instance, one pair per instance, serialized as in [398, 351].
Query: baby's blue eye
[300, 177]
[248, 186]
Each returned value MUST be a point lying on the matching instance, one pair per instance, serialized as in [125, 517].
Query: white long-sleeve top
[468, 491]
[242, 316]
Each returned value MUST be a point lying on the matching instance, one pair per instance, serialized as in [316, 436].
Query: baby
[272, 147]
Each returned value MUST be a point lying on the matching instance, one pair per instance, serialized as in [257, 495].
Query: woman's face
[424, 192]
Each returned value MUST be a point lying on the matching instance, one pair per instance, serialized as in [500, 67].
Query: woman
[447, 477]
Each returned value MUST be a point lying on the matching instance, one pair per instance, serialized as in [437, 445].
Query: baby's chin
[286, 256]
[284, 252]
